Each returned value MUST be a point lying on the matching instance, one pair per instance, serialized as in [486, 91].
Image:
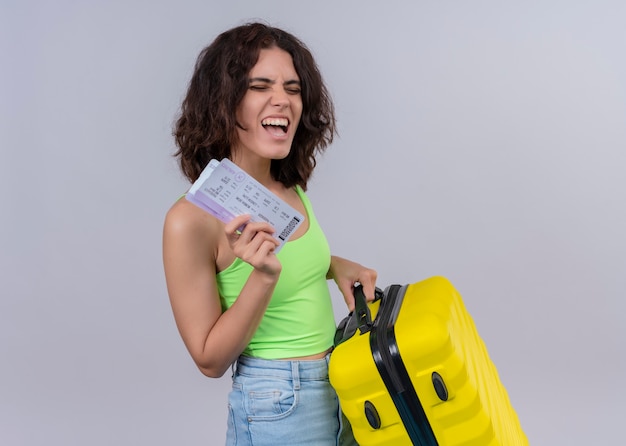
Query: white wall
[481, 141]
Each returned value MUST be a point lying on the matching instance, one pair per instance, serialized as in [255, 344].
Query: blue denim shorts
[276, 402]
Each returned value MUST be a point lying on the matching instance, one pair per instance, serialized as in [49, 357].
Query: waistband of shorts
[278, 368]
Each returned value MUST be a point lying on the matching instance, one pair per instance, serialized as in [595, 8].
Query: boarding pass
[225, 190]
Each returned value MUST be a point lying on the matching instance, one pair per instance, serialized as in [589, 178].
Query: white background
[480, 140]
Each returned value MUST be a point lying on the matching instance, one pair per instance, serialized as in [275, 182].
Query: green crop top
[299, 319]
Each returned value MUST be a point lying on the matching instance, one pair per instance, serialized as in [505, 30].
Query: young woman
[257, 98]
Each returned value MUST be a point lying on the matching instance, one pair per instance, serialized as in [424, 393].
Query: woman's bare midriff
[310, 357]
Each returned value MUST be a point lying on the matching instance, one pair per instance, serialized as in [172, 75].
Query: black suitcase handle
[362, 314]
[360, 318]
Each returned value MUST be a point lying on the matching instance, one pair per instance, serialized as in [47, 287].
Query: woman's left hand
[346, 273]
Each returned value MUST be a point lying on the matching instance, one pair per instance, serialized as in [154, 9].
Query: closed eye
[259, 87]
[293, 87]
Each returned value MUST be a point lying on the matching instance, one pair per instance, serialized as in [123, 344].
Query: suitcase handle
[360, 317]
[362, 314]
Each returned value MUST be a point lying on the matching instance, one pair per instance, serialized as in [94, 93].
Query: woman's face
[270, 110]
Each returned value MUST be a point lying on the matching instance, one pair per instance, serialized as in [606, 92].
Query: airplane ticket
[225, 190]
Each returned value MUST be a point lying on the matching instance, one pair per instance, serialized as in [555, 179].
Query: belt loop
[233, 368]
[295, 374]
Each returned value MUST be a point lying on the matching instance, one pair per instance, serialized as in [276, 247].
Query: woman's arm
[190, 247]
[346, 273]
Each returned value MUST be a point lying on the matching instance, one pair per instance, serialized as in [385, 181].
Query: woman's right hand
[255, 244]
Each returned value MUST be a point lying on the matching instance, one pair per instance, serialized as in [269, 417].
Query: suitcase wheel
[372, 415]
[440, 386]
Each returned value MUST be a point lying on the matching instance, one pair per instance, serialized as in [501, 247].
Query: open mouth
[276, 126]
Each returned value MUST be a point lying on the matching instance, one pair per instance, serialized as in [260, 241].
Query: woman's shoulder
[192, 230]
[185, 219]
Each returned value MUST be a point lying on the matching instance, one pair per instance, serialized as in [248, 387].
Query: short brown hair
[207, 124]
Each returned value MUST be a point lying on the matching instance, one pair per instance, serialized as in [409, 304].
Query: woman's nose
[280, 97]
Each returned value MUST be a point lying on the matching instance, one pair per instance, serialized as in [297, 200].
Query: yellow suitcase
[419, 373]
